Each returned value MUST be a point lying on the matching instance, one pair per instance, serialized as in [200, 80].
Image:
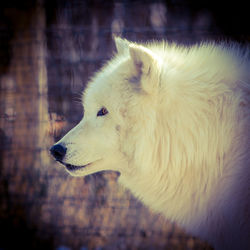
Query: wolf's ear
[121, 44]
[146, 67]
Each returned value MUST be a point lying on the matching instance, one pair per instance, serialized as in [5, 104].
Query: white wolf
[174, 121]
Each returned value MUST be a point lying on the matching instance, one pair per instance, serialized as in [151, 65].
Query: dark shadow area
[230, 19]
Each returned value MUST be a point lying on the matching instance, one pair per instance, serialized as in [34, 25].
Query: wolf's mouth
[71, 167]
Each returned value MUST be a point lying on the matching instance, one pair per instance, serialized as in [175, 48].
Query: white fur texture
[177, 131]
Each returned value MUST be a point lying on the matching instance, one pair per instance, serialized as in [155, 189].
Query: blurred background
[48, 51]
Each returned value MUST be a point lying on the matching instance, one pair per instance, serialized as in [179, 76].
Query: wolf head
[119, 118]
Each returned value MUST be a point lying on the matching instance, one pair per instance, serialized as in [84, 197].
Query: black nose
[58, 151]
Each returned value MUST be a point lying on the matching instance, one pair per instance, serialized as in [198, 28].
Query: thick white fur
[177, 131]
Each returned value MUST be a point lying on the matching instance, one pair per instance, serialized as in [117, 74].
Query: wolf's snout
[58, 151]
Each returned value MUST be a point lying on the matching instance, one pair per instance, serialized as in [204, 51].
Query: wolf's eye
[102, 111]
